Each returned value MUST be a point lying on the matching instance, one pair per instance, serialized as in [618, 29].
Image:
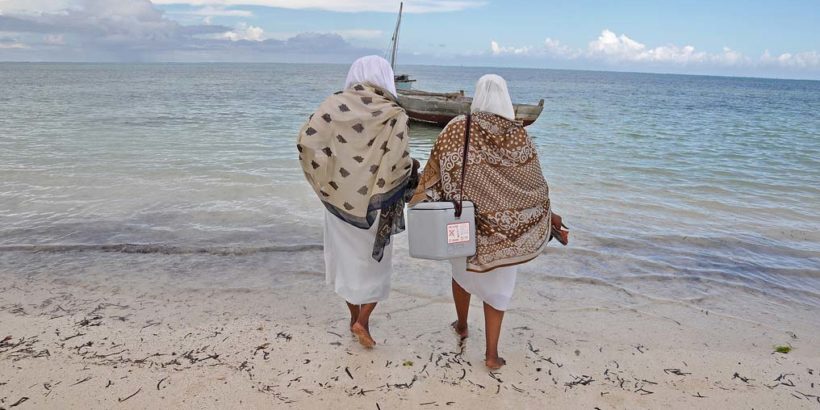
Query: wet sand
[110, 338]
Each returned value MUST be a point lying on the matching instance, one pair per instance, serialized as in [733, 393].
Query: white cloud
[621, 49]
[804, 60]
[351, 34]
[392, 6]
[611, 47]
[550, 48]
[359, 34]
[556, 48]
[499, 50]
[216, 11]
[9, 44]
[243, 31]
[54, 39]
[33, 6]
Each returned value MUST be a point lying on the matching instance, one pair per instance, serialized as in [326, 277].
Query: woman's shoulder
[454, 127]
[457, 119]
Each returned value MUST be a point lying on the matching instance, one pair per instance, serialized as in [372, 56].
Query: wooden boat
[440, 108]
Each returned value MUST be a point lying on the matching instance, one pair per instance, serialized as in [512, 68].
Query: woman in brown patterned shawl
[355, 154]
[513, 215]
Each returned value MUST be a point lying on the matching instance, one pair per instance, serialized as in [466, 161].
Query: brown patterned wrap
[504, 181]
[354, 151]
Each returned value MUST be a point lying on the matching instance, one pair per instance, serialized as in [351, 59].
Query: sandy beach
[112, 338]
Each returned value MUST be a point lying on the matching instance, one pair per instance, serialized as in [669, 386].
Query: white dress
[494, 287]
[349, 266]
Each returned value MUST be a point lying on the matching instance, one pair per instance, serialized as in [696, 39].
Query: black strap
[458, 205]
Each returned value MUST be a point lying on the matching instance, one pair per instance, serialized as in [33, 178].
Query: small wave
[162, 249]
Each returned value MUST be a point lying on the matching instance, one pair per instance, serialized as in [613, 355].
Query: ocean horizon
[410, 67]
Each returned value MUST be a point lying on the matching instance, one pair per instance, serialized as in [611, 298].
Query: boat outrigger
[440, 108]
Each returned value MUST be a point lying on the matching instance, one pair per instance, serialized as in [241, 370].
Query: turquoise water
[661, 177]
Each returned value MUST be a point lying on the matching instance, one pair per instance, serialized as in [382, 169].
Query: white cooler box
[435, 233]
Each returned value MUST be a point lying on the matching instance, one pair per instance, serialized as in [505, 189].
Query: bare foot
[363, 335]
[460, 331]
[352, 322]
[495, 363]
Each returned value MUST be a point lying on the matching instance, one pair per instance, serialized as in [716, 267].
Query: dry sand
[116, 340]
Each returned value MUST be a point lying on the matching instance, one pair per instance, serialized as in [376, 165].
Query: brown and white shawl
[354, 151]
[504, 181]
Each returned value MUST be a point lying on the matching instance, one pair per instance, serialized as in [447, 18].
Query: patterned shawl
[503, 180]
[354, 152]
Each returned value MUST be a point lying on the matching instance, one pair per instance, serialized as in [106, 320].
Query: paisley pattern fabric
[354, 151]
[504, 181]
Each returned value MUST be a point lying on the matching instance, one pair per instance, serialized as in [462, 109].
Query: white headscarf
[491, 96]
[374, 70]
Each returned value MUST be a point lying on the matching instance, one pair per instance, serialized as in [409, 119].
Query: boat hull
[440, 108]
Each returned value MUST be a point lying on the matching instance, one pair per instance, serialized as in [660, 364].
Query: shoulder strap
[458, 205]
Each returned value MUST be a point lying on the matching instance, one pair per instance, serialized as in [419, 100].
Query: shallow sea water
[678, 187]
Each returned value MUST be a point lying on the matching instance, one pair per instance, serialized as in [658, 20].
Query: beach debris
[582, 380]
[783, 380]
[92, 321]
[676, 372]
[193, 359]
[407, 363]
[71, 337]
[700, 396]
[641, 348]
[132, 395]
[261, 347]
[743, 379]
[159, 383]
[19, 402]
[283, 335]
[785, 349]
[406, 385]
[83, 381]
[347, 370]
[151, 323]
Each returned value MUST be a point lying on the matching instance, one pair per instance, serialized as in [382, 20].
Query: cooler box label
[458, 232]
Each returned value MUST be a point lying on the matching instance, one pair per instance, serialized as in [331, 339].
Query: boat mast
[396, 38]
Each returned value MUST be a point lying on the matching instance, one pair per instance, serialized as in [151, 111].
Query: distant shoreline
[408, 67]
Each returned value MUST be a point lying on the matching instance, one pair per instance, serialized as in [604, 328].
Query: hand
[558, 223]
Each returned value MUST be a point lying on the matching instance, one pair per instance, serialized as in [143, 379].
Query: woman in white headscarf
[355, 154]
[511, 197]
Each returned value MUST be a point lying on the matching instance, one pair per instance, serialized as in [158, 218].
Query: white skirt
[349, 266]
[494, 287]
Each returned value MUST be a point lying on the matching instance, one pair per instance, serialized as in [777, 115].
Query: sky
[778, 39]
